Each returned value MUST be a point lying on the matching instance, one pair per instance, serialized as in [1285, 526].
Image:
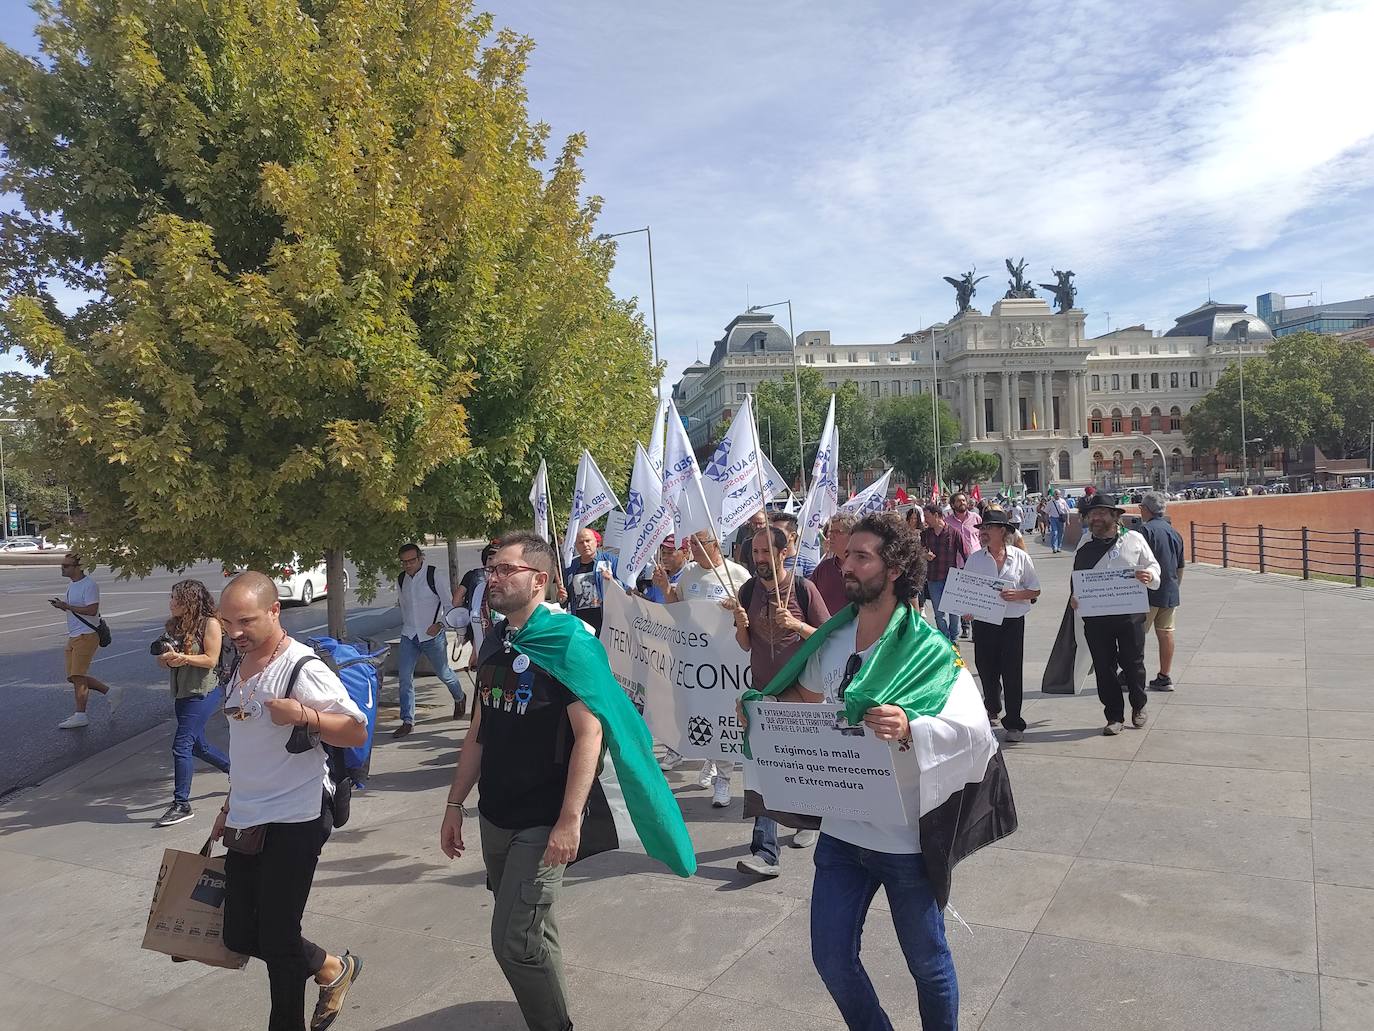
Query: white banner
[808, 760]
[872, 498]
[823, 498]
[648, 519]
[968, 594]
[682, 486]
[682, 667]
[539, 500]
[1109, 592]
[592, 498]
[736, 482]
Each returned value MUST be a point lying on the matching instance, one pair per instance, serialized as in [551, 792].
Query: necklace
[251, 706]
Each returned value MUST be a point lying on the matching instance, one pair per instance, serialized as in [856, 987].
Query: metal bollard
[1306, 574]
[1261, 547]
[1223, 545]
[1359, 572]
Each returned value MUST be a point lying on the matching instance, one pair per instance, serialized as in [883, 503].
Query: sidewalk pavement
[1211, 871]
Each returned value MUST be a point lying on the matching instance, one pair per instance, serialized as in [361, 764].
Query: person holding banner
[900, 680]
[672, 563]
[999, 648]
[711, 576]
[585, 578]
[1116, 640]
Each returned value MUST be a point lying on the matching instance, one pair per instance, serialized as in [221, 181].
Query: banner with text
[808, 759]
[1109, 592]
[682, 667]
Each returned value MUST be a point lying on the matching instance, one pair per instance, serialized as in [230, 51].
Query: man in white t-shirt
[423, 595]
[712, 576]
[275, 820]
[82, 606]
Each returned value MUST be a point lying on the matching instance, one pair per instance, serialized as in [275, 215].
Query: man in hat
[1167, 546]
[1117, 640]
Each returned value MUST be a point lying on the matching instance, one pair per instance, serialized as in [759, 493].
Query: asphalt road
[36, 696]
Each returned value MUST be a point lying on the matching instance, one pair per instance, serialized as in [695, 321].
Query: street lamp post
[4, 497]
[653, 299]
[1242, 338]
[796, 386]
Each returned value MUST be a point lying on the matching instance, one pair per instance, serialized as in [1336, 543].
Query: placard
[972, 594]
[808, 759]
[1109, 592]
[615, 530]
[682, 667]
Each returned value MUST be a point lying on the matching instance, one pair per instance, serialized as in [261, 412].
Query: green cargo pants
[524, 934]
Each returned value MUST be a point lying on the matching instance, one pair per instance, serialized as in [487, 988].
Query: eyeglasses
[504, 570]
[851, 670]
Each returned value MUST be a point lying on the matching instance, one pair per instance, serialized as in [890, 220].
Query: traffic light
[1085, 442]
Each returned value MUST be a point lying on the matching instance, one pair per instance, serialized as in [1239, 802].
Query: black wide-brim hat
[1097, 501]
[996, 517]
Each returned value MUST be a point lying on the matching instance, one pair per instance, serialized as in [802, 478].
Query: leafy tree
[969, 466]
[34, 483]
[904, 429]
[776, 401]
[1305, 389]
[335, 301]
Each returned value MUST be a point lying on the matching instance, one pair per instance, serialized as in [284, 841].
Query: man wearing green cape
[903, 682]
[547, 706]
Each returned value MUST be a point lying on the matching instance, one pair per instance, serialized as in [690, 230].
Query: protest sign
[614, 537]
[968, 594]
[1109, 592]
[807, 759]
[682, 667]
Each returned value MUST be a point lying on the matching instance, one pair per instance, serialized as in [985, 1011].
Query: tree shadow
[489, 1016]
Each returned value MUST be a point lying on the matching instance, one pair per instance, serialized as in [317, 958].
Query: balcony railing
[1325, 554]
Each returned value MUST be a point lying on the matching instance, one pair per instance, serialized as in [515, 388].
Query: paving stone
[1051, 822]
[1194, 692]
[1328, 723]
[1068, 777]
[1061, 985]
[1266, 792]
[1224, 916]
[31, 1006]
[1236, 659]
[1342, 779]
[1238, 719]
[1347, 1005]
[1010, 888]
[1345, 931]
[1343, 853]
[1323, 693]
[714, 1013]
[1225, 748]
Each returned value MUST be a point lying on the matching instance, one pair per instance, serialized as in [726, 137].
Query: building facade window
[1097, 463]
[1117, 459]
[989, 415]
[1054, 405]
[874, 387]
[915, 356]
[1116, 420]
[830, 385]
[853, 356]
[1135, 420]
[810, 359]
[1135, 381]
[740, 390]
[830, 358]
[1024, 415]
[896, 388]
[1173, 381]
[894, 356]
[1097, 383]
[1192, 379]
[1156, 420]
[1175, 419]
[1116, 382]
[1095, 423]
[1154, 381]
[873, 357]
[1063, 465]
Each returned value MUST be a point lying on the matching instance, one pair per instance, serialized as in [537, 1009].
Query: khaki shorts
[80, 652]
[1161, 619]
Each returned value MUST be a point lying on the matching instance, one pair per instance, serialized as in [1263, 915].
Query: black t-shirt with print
[584, 593]
[526, 739]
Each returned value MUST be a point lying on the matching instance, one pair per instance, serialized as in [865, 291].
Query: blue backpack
[359, 672]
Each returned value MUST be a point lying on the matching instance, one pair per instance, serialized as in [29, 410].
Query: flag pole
[763, 500]
[558, 552]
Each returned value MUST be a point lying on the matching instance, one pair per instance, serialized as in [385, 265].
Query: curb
[94, 765]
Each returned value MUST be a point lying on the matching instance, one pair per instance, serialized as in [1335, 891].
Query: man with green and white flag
[901, 681]
[548, 710]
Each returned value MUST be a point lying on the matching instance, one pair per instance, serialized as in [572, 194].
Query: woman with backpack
[193, 650]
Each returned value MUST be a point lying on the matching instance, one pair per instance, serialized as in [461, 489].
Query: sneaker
[402, 730]
[1014, 736]
[1161, 683]
[992, 719]
[670, 761]
[114, 697]
[805, 839]
[963, 631]
[1138, 718]
[758, 866]
[707, 776]
[332, 996]
[177, 812]
[1113, 729]
[75, 721]
[720, 797]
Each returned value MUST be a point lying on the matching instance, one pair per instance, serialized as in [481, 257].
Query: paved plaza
[1211, 871]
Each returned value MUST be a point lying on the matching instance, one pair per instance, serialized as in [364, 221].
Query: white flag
[656, 437]
[592, 498]
[539, 498]
[734, 478]
[872, 498]
[648, 519]
[682, 487]
[823, 499]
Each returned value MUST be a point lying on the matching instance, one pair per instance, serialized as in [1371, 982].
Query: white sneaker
[114, 697]
[720, 797]
[805, 839]
[75, 721]
[707, 775]
[758, 866]
[670, 761]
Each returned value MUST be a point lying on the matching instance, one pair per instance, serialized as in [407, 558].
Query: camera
[162, 645]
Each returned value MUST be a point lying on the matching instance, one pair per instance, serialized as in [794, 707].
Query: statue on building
[1064, 291]
[1017, 285]
[964, 288]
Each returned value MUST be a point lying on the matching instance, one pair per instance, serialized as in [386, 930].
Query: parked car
[15, 545]
[297, 582]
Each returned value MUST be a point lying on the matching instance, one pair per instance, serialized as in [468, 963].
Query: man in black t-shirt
[532, 752]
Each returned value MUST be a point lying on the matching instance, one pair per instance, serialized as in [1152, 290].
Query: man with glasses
[82, 606]
[532, 751]
[422, 592]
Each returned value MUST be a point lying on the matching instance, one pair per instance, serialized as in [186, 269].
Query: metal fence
[1270, 549]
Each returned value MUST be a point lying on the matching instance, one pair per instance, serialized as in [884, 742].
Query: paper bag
[186, 920]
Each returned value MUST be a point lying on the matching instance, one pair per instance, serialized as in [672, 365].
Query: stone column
[966, 402]
[1078, 403]
[979, 405]
[1008, 405]
[1042, 419]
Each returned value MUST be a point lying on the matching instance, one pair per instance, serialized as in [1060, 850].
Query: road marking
[27, 612]
[63, 623]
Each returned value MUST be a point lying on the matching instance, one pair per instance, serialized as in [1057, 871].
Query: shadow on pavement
[490, 1016]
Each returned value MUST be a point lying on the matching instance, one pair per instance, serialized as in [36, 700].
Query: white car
[299, 583]
[15, 545]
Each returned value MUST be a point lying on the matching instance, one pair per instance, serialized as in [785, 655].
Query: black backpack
[429, 579]
[803, 596]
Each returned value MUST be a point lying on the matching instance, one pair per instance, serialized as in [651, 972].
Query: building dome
[1222, 324]
[752, 333]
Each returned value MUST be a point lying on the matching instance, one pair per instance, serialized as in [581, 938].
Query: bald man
[275, 821]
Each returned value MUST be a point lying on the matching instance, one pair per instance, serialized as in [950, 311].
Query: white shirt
[1131, 551]
[698, 582]
[823, 674]
[421, 607]
[1017, 572]
[268, 783]
[81, 593]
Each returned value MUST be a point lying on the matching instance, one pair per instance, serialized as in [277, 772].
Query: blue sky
[849, 155]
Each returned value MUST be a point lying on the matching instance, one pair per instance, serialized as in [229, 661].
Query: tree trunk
[452, 539]
[336, 600]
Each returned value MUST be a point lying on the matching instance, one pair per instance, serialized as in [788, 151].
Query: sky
[847, 156]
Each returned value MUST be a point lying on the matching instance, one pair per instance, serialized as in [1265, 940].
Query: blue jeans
[1056, 534]
[847, 878]
[946, 622]
[436, 651]
[764, 843]
[189, 744]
